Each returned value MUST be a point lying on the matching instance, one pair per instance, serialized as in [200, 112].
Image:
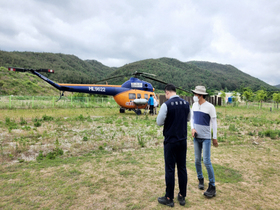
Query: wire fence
[41, 102]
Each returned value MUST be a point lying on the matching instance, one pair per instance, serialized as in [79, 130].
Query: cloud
[244, 34]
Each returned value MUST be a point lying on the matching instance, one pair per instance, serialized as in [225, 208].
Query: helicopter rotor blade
[140, 73]
[150, 74]
[157, 80]
[109, 78]
[133, 74]
[25, 70]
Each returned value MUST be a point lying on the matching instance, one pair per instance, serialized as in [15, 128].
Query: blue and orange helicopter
[132, 95]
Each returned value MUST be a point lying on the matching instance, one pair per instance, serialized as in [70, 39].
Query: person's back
[175, 126]
[151, 104]
[151, 101]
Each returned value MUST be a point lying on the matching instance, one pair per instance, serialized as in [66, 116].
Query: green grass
[101, 159]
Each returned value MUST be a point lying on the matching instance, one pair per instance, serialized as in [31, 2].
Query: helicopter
[132, 95]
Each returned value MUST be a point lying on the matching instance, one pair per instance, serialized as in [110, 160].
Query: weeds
[22, 121]
[56, 152]
[11, 124]
[140, 140]
[37, 124]
[47, 118]
[91, 174]
[232, 127]
[270, 133]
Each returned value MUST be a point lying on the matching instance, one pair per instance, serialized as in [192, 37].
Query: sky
[245, 34]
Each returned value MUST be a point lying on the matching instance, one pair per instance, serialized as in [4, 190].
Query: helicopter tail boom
[82, 88]
[33, 71]
[25, 70]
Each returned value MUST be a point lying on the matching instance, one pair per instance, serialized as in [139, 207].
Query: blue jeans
[205, 145]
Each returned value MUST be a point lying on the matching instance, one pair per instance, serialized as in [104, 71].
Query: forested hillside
[188, 75]
[68, 68]
[71, 69]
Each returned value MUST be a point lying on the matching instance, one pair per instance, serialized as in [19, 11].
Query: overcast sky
[245, 34]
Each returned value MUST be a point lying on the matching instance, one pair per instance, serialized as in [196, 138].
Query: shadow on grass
[223, 174]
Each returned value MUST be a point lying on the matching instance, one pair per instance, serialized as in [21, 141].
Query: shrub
[271, 133]
[47, 118]
[37, 124]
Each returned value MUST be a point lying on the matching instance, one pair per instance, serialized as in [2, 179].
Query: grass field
[100, 159]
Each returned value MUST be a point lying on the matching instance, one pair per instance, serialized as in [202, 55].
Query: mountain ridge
[71, 69]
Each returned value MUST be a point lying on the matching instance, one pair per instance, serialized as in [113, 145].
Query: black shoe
[210, 192]
[165, 201]
[181, 199]
[201, 184]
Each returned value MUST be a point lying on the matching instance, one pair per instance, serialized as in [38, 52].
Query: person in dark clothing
[174, 115]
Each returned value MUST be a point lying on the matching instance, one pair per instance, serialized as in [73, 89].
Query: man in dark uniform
[174, 115]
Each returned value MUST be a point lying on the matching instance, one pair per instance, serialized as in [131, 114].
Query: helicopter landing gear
[138, 111]
[122, 110]
[61, 94]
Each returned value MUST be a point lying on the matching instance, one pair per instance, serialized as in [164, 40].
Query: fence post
[10, 101]
[71, 101]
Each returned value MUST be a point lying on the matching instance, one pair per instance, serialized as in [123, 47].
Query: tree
[241, 91]
[223, 96]
[234, 97]
[248, 95]
[261, 95]
[211, 92]
[276, 98]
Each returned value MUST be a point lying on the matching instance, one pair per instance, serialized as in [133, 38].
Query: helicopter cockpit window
[146, 96]
[138, 95]
[132, 96]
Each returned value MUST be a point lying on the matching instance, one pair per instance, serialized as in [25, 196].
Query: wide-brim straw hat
[201, 90]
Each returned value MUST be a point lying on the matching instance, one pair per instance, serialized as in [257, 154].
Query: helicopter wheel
[138, 112]
[122, 110]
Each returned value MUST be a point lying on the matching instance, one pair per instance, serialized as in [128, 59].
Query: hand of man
[215, 142]
[193, 132]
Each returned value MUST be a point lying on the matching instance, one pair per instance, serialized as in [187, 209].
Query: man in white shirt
[155, 105]
[204, 113]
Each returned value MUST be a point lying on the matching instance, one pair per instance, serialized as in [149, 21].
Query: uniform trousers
[175, 153]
